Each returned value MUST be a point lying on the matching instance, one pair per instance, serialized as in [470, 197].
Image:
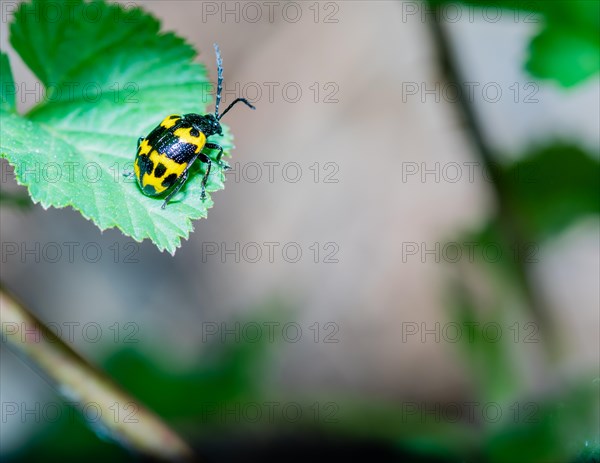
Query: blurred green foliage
[558, 429]
[563, 426]
[16, 200]
[548, 189]
[566, 49]
[552, 187]
[545, 191]
[232, 375]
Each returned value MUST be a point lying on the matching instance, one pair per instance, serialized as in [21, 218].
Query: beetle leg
[139, 141]
[180, 183]
[128, 174]
[215, 146]
[184, 176]
[205, 179]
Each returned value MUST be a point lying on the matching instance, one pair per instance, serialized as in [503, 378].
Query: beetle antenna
[219, 79]
[237, 100]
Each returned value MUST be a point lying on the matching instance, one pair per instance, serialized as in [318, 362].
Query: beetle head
[212, 126]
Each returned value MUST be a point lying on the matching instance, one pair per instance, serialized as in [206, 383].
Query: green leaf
[567, 47]
[567, 50]
[561, 427]
[7, 85]
[552, 187]
[110, 77]
[564, 54]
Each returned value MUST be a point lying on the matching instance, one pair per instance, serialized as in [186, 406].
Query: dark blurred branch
[135, 427]
[509, 222]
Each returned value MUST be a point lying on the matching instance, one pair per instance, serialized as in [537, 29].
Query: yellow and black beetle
[165, 155]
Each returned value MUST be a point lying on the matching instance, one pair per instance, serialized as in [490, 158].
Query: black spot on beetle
[160, 170]
[174, 116]
[194, 132]
[169, 180]
[149, 190]
[145, 164]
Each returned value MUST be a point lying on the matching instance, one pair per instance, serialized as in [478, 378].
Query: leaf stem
[77, 380]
